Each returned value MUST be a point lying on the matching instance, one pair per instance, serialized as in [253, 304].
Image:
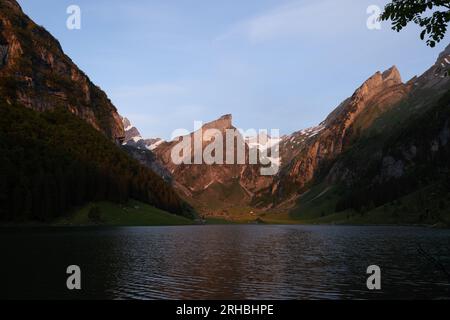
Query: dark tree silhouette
[432, 16]
[53, 162]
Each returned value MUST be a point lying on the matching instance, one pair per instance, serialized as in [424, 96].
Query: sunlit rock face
[214, 189]
[304, 152]
[35, 72]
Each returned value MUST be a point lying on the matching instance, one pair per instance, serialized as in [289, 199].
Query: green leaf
[422, 34]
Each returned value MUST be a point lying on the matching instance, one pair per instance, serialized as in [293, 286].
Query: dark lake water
[224, 262]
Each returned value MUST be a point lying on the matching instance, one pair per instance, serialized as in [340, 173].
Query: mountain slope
[141, 150]
[398, 168]
[401, 176]
[35, 72]
[214, 189]
[52, 161]
[410, 158]
[306, 153]
[59, 133]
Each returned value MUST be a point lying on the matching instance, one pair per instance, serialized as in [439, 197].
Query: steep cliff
[35, 72]
[412, 149]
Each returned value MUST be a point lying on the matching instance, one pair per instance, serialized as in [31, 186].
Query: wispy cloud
[318, 18]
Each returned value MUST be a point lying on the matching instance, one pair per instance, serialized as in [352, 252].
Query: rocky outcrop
[376, 95]
[132, 134]
[35, 72]
[223, 123]
[133, 138]
[141, 150]
[437, 77]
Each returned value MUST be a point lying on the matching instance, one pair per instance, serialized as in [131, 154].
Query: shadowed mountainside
[59, 133]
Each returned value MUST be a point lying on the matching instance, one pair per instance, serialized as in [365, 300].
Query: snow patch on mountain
[134, 138]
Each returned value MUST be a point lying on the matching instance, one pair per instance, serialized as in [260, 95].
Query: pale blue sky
[281, 64]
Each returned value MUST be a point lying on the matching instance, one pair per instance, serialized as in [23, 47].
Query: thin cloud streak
[318, 19]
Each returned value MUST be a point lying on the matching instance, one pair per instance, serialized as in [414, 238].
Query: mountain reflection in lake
[224, 262]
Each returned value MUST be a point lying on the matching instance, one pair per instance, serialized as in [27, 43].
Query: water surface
[224, 262]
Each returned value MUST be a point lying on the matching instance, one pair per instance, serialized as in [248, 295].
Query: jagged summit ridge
[380, 81]
[223, 123]
[392, 74]
[387, 84]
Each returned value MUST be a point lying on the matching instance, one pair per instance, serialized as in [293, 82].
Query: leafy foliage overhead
[432, 16]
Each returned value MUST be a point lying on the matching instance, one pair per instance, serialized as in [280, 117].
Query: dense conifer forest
[52, 162]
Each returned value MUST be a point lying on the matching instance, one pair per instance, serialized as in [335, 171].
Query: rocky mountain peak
[133, 138]
[393, 75]
[131, 133]
[226, 117]
[387, 84]
[380, 81]
[126, 123]
[223, 123]
[437, 76]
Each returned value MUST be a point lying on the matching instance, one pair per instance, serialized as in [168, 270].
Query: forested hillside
[51, 162]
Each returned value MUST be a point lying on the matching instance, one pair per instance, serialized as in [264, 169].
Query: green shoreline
[49, 225]
[137, 214]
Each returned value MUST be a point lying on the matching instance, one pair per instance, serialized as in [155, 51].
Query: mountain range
[381, 156]
[331, 159]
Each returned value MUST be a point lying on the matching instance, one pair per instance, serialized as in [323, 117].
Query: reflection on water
[224, 262]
